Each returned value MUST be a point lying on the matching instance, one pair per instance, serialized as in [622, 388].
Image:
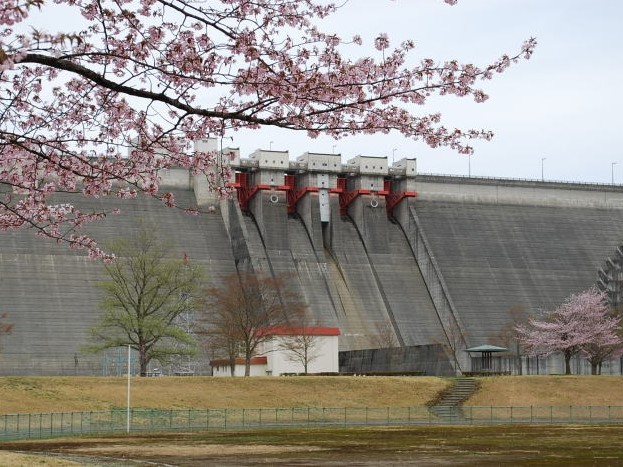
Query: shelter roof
[486, 348]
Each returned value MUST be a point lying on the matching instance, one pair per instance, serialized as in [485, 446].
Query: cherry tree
[582, 324]
[101, 109]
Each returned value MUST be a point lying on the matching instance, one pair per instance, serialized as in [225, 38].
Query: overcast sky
[558, 115]
[564, 105]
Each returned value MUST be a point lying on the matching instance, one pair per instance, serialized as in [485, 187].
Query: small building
[486, 362]
[222, 367]
[283, 353]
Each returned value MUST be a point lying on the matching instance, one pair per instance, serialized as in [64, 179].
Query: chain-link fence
[48, 425]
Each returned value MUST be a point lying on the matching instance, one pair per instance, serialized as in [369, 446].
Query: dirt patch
[191, 450]
[17, 459]
[427, 446]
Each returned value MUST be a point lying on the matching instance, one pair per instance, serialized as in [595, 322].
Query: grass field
[432, 445]
[482, 446]
[56, 394]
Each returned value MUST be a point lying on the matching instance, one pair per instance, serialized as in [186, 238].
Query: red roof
[239, 361]
[300, 331]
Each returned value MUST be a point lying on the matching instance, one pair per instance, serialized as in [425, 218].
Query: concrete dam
[434, 259]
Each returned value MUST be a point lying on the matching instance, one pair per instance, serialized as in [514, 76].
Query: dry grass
[549, 390]
[55, 394]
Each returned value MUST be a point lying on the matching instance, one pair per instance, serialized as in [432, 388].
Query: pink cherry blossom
[101, 111]
[582, 324]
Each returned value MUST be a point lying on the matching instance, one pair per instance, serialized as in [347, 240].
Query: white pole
[128, 414]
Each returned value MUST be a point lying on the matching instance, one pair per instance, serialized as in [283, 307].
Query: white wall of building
[274, 359]
[280, 360]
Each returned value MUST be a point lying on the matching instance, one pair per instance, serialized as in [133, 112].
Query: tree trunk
[247, 364]
[594, 366]
[143, 361]
[567, 363]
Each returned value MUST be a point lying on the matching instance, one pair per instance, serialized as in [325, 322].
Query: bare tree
[385, 337]
[508, 336]
[5, 327]
[301, 343]
[455, 341]
[238, 312]
[220, 341]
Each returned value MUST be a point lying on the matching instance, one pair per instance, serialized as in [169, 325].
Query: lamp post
[542, 160]
[270, 146]
[612, 170]
[393, 155]
[469, 165]
[128, 414]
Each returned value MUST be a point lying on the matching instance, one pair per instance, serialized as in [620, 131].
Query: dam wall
[436, 261]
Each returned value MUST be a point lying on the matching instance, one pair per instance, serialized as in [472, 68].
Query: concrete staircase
[449, 406]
